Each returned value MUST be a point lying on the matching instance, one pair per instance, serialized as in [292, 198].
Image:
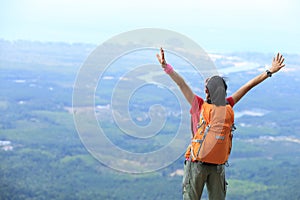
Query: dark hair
[216, 89]
[224, 81]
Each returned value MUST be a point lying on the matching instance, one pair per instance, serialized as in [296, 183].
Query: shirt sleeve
[196, 105]
[230, 101]
[195, 112]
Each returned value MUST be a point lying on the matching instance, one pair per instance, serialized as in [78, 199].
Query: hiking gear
[213, 141]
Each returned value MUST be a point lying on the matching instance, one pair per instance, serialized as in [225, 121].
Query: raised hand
[277, 63]
[161, 58]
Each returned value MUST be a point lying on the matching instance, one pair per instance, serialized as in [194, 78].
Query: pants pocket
[186, 176]
[221, 172]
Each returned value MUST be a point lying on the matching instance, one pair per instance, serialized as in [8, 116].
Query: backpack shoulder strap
[205, 112]
[205, 116]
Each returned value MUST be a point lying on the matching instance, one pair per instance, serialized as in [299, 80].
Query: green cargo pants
[197, 174]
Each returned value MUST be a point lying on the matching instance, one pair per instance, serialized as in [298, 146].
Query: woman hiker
[200, 169]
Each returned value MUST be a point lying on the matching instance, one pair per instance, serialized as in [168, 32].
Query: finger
[159, 58]
[162, 54]
[280, 57]
[277, 57]
[281, 62]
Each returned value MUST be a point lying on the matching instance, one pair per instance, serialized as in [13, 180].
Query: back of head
[217, 90]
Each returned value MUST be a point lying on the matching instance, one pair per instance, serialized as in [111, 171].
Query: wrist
[269, 73]
[168, 69]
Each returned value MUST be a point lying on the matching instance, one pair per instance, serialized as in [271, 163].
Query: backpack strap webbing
[204, 136]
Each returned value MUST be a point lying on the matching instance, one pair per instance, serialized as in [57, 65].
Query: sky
[217, 26]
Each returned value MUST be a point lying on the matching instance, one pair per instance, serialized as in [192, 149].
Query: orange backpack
[213, 141]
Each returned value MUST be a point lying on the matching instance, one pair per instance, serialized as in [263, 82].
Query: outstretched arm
[277, 64]
[185, 89]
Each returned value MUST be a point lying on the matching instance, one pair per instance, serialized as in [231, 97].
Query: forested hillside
[42, 156]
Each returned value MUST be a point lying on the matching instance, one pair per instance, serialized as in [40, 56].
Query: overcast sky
[222, 26]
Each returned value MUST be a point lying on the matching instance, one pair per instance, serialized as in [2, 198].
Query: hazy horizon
[258, 26]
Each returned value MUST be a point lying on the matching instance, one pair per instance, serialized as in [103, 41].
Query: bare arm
[185, 89]
[277, 64]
